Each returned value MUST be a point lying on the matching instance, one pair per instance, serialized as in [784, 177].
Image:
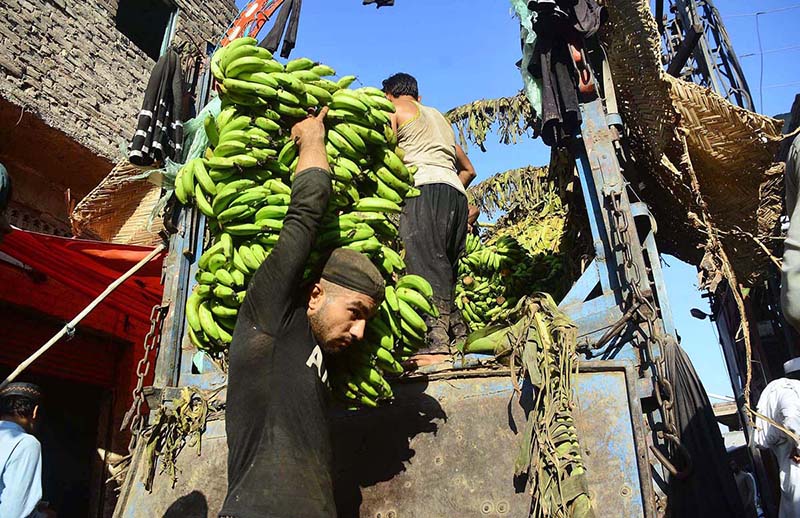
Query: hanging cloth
[556, 23]
[159, 132]
[709, 489]
[290, 12]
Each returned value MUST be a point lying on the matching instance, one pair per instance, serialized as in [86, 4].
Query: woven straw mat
[118, 209]
[691, 146]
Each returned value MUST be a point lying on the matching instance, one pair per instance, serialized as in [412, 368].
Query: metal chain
[133, 417]
[645, 309]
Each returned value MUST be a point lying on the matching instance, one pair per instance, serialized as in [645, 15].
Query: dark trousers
[433, 227]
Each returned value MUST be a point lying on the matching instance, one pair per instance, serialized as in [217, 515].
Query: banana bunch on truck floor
[243, 187]
[492, 278]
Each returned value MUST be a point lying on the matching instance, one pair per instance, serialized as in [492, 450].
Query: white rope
[70, 327]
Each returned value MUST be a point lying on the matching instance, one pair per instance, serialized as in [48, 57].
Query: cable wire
[768, 11]
[760, 66]
[769, 51]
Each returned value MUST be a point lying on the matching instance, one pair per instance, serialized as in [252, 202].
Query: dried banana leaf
[542, 345]
[177, 425]
[543, 210]
[514, 115]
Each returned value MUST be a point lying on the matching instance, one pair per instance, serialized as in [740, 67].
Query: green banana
[391, 298]
[391, 180]
[322, 95]
[222, 311]
[266, 124]
[221, 176]
[323, 70]
[328, 85]
[224, 277]
[379, 102]
[261, 78]
[366, 246]
[271, 212]
[250, 88]
[368, 134]
[230, 192]
[202, 202]
[229, 148]
[395, 165]
[306, 76]
[417, 300]
[209, 327]
[202, 178]
[249, 259]
[235, 212]
[416, 283]
[212, 131]
[277, 187]
[411, 317]
[192, 311]
[343, 101]
[287, 110]
[288, 152]
[207, 278]
[287, 80]
[387, 193]
[341, 143]
[243, 65]
[300, 64]
[345, 81]
[348, 132]
[394, 258]
[373, 204]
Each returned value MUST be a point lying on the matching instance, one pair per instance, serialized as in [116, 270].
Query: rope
[69, 328]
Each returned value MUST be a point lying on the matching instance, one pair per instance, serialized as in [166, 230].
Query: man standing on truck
[20, 451]
[790, 271]
[433, 226]
[279, 459]
[780, 402]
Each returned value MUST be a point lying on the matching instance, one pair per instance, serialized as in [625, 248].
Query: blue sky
[461, 51]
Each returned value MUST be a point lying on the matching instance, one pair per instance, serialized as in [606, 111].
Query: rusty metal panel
[444, 448]
[447, 447]
[199, 492]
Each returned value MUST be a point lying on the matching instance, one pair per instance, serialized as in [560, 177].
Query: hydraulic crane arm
[251, 19]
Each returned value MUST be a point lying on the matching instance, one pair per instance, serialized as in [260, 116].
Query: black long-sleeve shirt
[279, 458]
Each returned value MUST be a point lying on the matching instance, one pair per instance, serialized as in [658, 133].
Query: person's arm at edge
[464, 167]
[273, 284]
[20, 495]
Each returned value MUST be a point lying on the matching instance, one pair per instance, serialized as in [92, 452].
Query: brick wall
[65, 61]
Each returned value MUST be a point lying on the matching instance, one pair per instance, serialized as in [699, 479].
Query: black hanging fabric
[290, 12]
[5, 188]
[709, 489]
[379, 3]
[557, 23]
[159, 132]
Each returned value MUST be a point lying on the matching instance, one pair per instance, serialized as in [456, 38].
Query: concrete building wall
[71, 85]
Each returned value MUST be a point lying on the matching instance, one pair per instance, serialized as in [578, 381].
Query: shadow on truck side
[374, 446]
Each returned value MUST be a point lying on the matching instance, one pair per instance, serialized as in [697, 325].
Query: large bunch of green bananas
[492, 278]
[243, 186]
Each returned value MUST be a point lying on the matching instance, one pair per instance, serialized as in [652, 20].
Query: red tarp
[75, 272]
[59, 278]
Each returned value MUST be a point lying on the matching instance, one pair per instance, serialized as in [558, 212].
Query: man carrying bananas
[279, 460]
[433, 226]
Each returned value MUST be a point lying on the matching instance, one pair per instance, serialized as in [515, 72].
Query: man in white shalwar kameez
[780, 402]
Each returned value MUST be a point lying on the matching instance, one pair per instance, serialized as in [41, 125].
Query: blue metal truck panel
[444, 448]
